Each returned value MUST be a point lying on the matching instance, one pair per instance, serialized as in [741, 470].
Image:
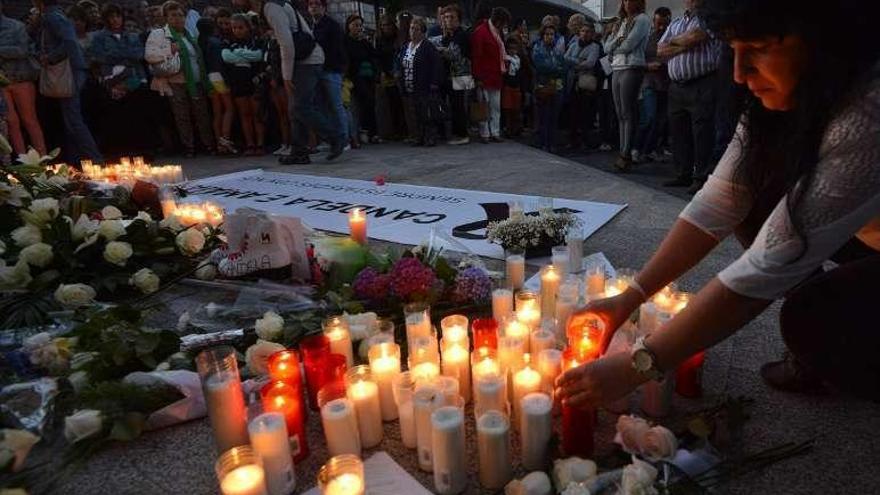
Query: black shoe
[335, 151]
[678, 182]
[695, 187]
[496, 139]
[295, 159]
[484, 140]
[789, 375]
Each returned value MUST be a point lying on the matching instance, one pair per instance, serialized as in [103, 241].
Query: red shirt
[486, 57]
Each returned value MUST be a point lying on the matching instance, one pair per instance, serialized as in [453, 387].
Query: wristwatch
[645, 361]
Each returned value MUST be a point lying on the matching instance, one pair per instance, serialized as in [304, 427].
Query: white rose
[269, 327]
[74, 295]
[638, 479]
[19, 442]
[257, 356]
[82, 424]
[15, 277]
[659, 443]
[84, 227]
[39, 254]
[190, 242]
[111, 213]
[142, 215]
[361, 325]
[534, 483]
[111, 229]
[12, 194]
[573, 470]
[27, 235]
[172, 223]
[145, 280]
[42, 211]
[631, 433]
[79, 380]
[206, 272]
[117, 252]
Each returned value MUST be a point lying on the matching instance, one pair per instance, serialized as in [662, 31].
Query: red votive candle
[485, 333]
[577, 422]
[284, 367]
[689, 376]
[314, 350]
[585, 341]
[287, 399]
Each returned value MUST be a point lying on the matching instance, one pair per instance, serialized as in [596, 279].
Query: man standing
[330, 37]
[692, 53]
[655, 87]
[302, 77]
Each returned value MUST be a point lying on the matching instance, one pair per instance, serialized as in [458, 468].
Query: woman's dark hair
[77, 13]
[171, 5]
[545, 28]
[500, 16]
[621, 13]
[352, 18]
[782, 148]
[222, 12]
[111, 9]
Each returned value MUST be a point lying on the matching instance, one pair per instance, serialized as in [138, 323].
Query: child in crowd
[223, 110]
[243, 58]
[511, 92]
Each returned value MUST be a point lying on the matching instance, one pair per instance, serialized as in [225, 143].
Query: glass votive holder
[424, 349]
[342, 475]
[559, 258]
[224, 398]
[339, 420]
[240, 472]
[515, 268]
[454, 328]
[586, 339]
[315, 351]
[417, 317]
[485, 332]
[336, 329]
[424, 372]
[284, 366]
[287, 399]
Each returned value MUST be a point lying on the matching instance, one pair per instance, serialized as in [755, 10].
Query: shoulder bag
[303, 42]
[56, 80]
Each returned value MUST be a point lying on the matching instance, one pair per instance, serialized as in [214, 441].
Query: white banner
[398, 213]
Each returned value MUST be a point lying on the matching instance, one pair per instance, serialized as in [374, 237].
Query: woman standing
[581, 57]
[390, 119]
[626, 47]
[421, 74]
[179, 74]
[488, 63]
[222, 107]
[550, 71]
[798, 185]
[243, 59]
[362, 71]
[20, 94]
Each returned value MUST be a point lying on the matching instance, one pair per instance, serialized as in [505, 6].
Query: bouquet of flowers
[532, 233]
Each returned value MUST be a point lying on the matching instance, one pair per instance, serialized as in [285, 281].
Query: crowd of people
[265, 75]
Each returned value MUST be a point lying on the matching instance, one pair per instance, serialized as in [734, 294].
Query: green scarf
[191, 82]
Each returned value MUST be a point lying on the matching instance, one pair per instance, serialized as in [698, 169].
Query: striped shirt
[697, 61]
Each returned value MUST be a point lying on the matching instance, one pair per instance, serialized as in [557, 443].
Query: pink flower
[411, 279]
[371, 285]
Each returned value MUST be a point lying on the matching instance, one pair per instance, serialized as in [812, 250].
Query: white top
[843, 200]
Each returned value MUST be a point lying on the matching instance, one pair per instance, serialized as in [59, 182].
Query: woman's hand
[613, 311]
[598, 382]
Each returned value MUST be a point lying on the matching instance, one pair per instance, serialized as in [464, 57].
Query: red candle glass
[689, 376]
[485, 333]
[585, 341]
[314, 350]
[284, 367]
[577, 422]
[287, 399]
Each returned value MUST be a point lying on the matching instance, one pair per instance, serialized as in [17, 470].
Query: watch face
[642, 360]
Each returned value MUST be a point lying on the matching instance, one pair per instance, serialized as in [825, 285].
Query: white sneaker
[636, 156]
[322, 147]
[605, 147]
[459, 141]
[282, 151]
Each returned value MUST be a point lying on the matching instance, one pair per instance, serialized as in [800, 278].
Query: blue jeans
[305, 113]
[548, 121]
[331, 82]
[80, 143]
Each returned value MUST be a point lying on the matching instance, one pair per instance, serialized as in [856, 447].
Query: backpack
[303, 41]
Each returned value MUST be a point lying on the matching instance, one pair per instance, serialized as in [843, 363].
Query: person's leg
[180, 106]
[202, 116]
[332, 83]
[259, 125]
[826, 324]
[658, 123]
[680, 133]
[702, 112]
[494, 97]
[78, 133]
[647, 120]
[217, 114]
[246, 120]
[25, 94]
[483, 96]
[279, 99]
[575, 119]
[459, 114]
[13, 123]
[630, 83]
[618, 109]
[409, 114]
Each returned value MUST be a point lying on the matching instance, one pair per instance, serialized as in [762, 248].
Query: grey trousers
[625, 86]
[692, 126]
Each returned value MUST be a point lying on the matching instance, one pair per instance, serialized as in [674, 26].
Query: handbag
[587, 82]
[303, 42]
[461, 83]
[56, 80]
[168, 67]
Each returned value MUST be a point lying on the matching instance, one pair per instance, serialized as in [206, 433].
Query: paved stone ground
[179, 459]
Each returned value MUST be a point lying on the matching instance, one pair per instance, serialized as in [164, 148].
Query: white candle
[404, 387]
[510, 352]
[245, 480]
[455, 330]
[514, 328]
[336, 329]
[448, 445]
[541, 339]
[268, 433]
[595, 281]
[550, 279]
[457, 364]
[516, 271]
[340, 427]
[225, 404]
[418, 321]
[502, 304]
[549, 364]
[385, 366]
[345, 484]
[489, 381]
[559, 258]
[575, 251]
[525, 381]
[493, 445]
[364, 394]
[425, 400]
[647, 318]
[564, 309]
[357, 225]
[536, 428]
[447, 387]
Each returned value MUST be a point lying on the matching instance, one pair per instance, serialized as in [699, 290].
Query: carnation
[269, 327]
[74, 295]
[472, 285]
[117, 252]
[145, 280]
[111, 229]
[190, 242]
[410, 279]
[111, 213]
[27, 235]
[39, 254]
[371, 285]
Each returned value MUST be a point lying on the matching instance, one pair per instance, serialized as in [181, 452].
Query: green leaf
[445, 272]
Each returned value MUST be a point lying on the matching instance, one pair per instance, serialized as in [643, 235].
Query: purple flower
[410, 278]
[371, 285]
[472, 285]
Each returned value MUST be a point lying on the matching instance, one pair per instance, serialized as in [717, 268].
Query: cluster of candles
[192, 213]
[130, 170]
